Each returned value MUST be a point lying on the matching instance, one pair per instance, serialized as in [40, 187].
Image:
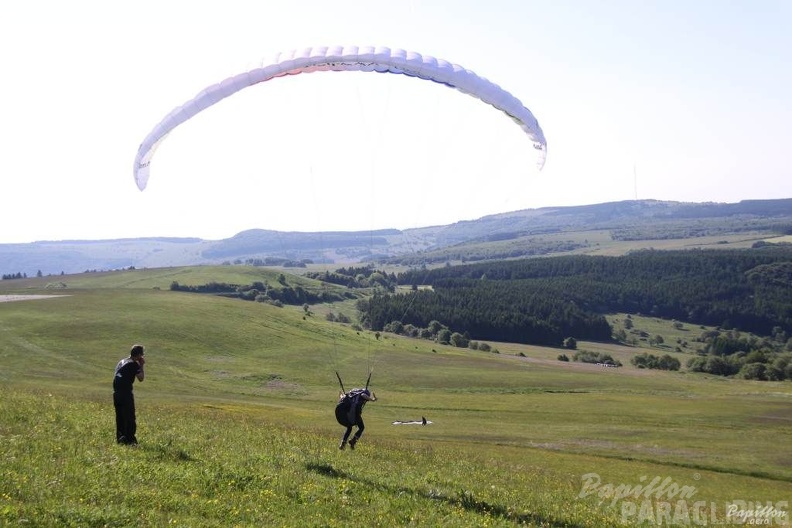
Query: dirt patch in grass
[12, 298]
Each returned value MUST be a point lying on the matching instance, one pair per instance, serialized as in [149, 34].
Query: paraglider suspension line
[340, 383]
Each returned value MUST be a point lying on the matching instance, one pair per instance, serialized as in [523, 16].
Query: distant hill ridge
[627, 220]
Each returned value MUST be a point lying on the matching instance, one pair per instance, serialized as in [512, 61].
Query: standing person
[349, 413]
[126, 371]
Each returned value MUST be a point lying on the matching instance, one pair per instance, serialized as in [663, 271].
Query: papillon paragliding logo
[364, 59]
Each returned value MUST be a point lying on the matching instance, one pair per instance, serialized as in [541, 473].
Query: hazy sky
[670, 100]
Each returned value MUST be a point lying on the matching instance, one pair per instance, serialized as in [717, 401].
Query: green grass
[236, 424]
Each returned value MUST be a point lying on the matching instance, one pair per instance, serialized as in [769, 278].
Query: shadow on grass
[168, 452]
[463, 499]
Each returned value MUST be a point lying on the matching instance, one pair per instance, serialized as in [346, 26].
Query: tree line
[748, 289]
[356, 277]
[732, 353]
[261, 292]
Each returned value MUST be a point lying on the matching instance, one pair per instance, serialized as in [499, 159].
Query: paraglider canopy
[338, 58]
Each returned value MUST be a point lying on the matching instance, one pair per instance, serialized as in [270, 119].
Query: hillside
[610, 228]
[236, 424]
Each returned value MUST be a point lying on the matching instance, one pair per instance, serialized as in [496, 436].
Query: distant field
[591, 242]
[617, 247]
[237, 429]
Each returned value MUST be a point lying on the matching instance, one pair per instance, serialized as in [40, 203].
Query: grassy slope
[236, 419]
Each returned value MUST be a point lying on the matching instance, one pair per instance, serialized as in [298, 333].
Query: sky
[666, 100]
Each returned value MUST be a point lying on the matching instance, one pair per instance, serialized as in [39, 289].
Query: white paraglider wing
[367, 59]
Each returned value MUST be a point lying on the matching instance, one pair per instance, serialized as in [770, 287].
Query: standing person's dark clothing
[123, 400]
[349, 413]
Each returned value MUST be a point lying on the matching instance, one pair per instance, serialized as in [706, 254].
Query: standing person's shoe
[352, 443]
[343, 445]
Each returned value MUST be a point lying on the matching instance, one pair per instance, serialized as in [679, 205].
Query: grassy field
[236, 425]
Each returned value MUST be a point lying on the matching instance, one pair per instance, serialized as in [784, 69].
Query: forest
[512, 311]
[545, 300]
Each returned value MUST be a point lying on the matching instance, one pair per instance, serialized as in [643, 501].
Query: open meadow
[236, 422]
